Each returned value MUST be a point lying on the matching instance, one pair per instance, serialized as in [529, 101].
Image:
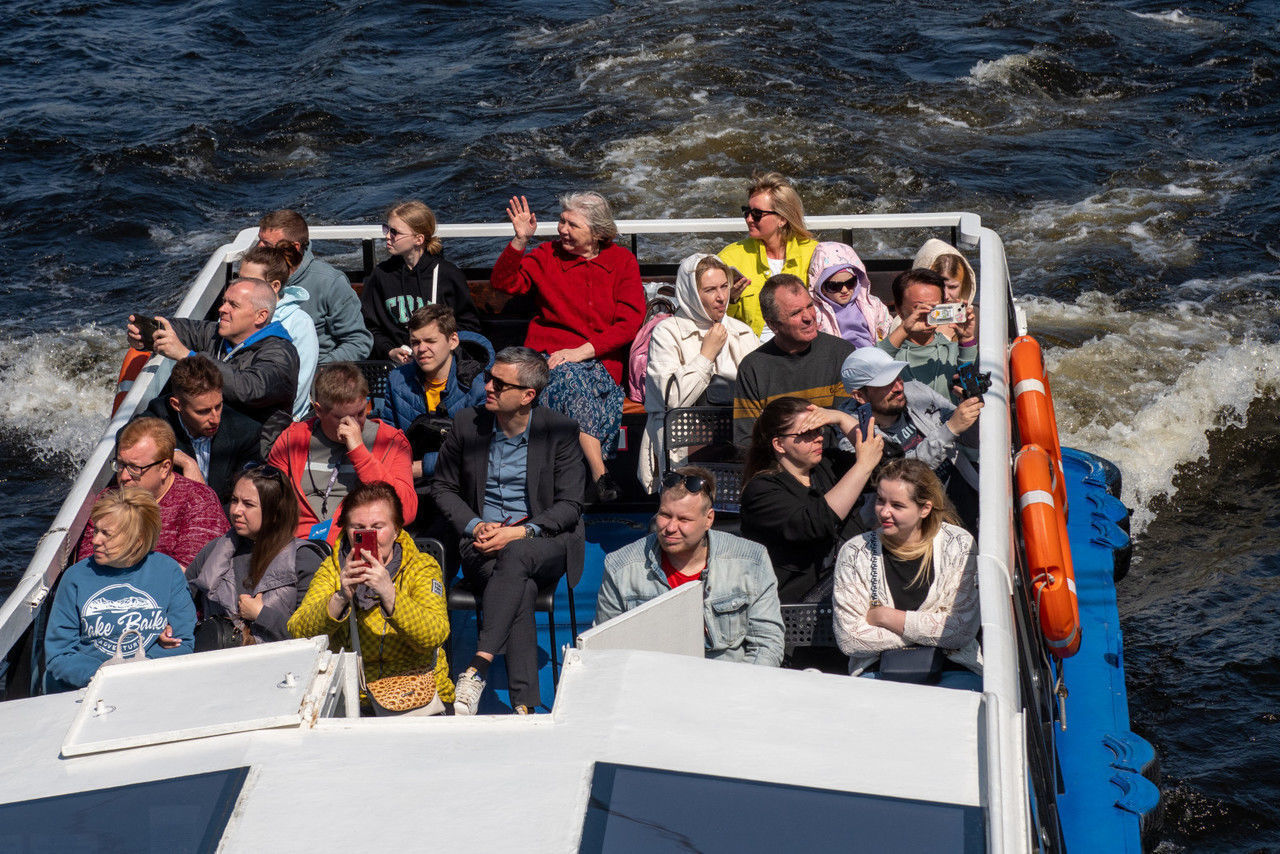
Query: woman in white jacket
[912, 581]
[693, 356]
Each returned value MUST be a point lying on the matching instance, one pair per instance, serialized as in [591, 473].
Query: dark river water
[1125, 151]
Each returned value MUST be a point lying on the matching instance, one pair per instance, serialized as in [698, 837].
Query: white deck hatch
[195, 696]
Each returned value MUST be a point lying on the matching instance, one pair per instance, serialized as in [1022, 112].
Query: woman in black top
[415, 275]
[794, 503]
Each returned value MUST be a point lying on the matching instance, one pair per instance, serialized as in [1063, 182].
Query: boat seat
[462, 598]
[808, 624]
[377, 373]
[708, 432]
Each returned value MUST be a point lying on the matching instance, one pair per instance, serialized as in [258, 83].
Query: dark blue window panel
[653, 810]
[174, 816]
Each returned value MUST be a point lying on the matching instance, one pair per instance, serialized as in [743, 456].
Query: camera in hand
[972, 383]
[147, 326]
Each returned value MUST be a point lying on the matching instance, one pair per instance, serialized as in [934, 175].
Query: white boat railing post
[1007, 783]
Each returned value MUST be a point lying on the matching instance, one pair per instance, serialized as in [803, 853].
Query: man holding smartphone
[254, 353]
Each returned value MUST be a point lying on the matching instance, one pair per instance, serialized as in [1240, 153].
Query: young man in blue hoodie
[255, 355]
[446, 374]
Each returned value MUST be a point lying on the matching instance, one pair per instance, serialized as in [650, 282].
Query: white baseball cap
[869, 366]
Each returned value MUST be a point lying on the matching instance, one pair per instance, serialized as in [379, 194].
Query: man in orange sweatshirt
[325, 456]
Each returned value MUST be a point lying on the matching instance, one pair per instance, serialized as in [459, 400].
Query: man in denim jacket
[743, 619]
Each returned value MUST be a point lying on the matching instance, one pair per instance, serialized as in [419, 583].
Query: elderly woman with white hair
[693, 356]
[590, 307]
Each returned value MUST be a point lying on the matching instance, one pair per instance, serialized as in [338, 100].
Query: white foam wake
[58, 391]
[1146, 390]
[1176, 16]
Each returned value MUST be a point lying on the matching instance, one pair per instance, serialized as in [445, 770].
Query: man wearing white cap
[923, 423]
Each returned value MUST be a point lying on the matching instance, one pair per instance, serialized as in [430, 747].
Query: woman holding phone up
[397, 593]
[794, 503]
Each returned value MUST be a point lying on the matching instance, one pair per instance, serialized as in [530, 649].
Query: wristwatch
[530, 532]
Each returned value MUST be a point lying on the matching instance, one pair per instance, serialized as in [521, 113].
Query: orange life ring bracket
[1048, 551]
[134, 362]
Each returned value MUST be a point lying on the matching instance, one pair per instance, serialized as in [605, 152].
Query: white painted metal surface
[402, 783]
[195, 696]
[670, 623]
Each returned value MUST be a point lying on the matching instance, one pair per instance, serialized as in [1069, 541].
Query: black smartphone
[865, 418]
[147, 326]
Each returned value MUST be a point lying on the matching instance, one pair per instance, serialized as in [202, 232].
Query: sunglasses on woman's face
[755, 214]
[830, 287]
[394, 234]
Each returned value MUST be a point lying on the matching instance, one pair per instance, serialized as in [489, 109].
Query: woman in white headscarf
[693, 356]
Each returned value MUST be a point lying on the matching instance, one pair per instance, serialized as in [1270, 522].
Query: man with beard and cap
[922, 423]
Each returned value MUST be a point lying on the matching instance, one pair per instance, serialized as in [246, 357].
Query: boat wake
[1146, 389]
[58, 392]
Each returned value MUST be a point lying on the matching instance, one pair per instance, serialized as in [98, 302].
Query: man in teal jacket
[332, 303]
[741, 614]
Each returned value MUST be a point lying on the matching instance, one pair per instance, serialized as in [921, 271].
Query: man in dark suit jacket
[509, 481]
[214, 442]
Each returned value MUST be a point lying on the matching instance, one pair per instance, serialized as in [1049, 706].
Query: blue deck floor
[605, 533]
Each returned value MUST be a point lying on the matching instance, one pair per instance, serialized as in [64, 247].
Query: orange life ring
[1033, 405]
[134, 360]
[1044, 530]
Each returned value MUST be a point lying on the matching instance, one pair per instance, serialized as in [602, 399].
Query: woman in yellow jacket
[777, 242]
[398, 593]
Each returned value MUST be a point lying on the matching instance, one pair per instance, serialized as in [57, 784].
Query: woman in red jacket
[590, 306]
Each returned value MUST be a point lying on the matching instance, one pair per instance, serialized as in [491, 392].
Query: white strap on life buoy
[1035, 496]
[1028, 385]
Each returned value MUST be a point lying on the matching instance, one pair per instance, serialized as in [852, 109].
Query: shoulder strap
[875, 553]
[435, 277]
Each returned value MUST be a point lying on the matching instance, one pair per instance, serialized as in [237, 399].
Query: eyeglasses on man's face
[118, 466]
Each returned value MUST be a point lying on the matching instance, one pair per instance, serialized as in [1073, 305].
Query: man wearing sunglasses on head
[741, 615]
[509, 480]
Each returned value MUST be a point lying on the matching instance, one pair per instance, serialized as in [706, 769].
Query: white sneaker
[469, 687]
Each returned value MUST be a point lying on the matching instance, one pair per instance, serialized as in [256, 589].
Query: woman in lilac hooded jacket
[842, 296]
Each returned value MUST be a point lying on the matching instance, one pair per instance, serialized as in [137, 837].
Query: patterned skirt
[587, 393]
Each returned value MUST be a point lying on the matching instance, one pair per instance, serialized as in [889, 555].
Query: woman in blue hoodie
[124, 597]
